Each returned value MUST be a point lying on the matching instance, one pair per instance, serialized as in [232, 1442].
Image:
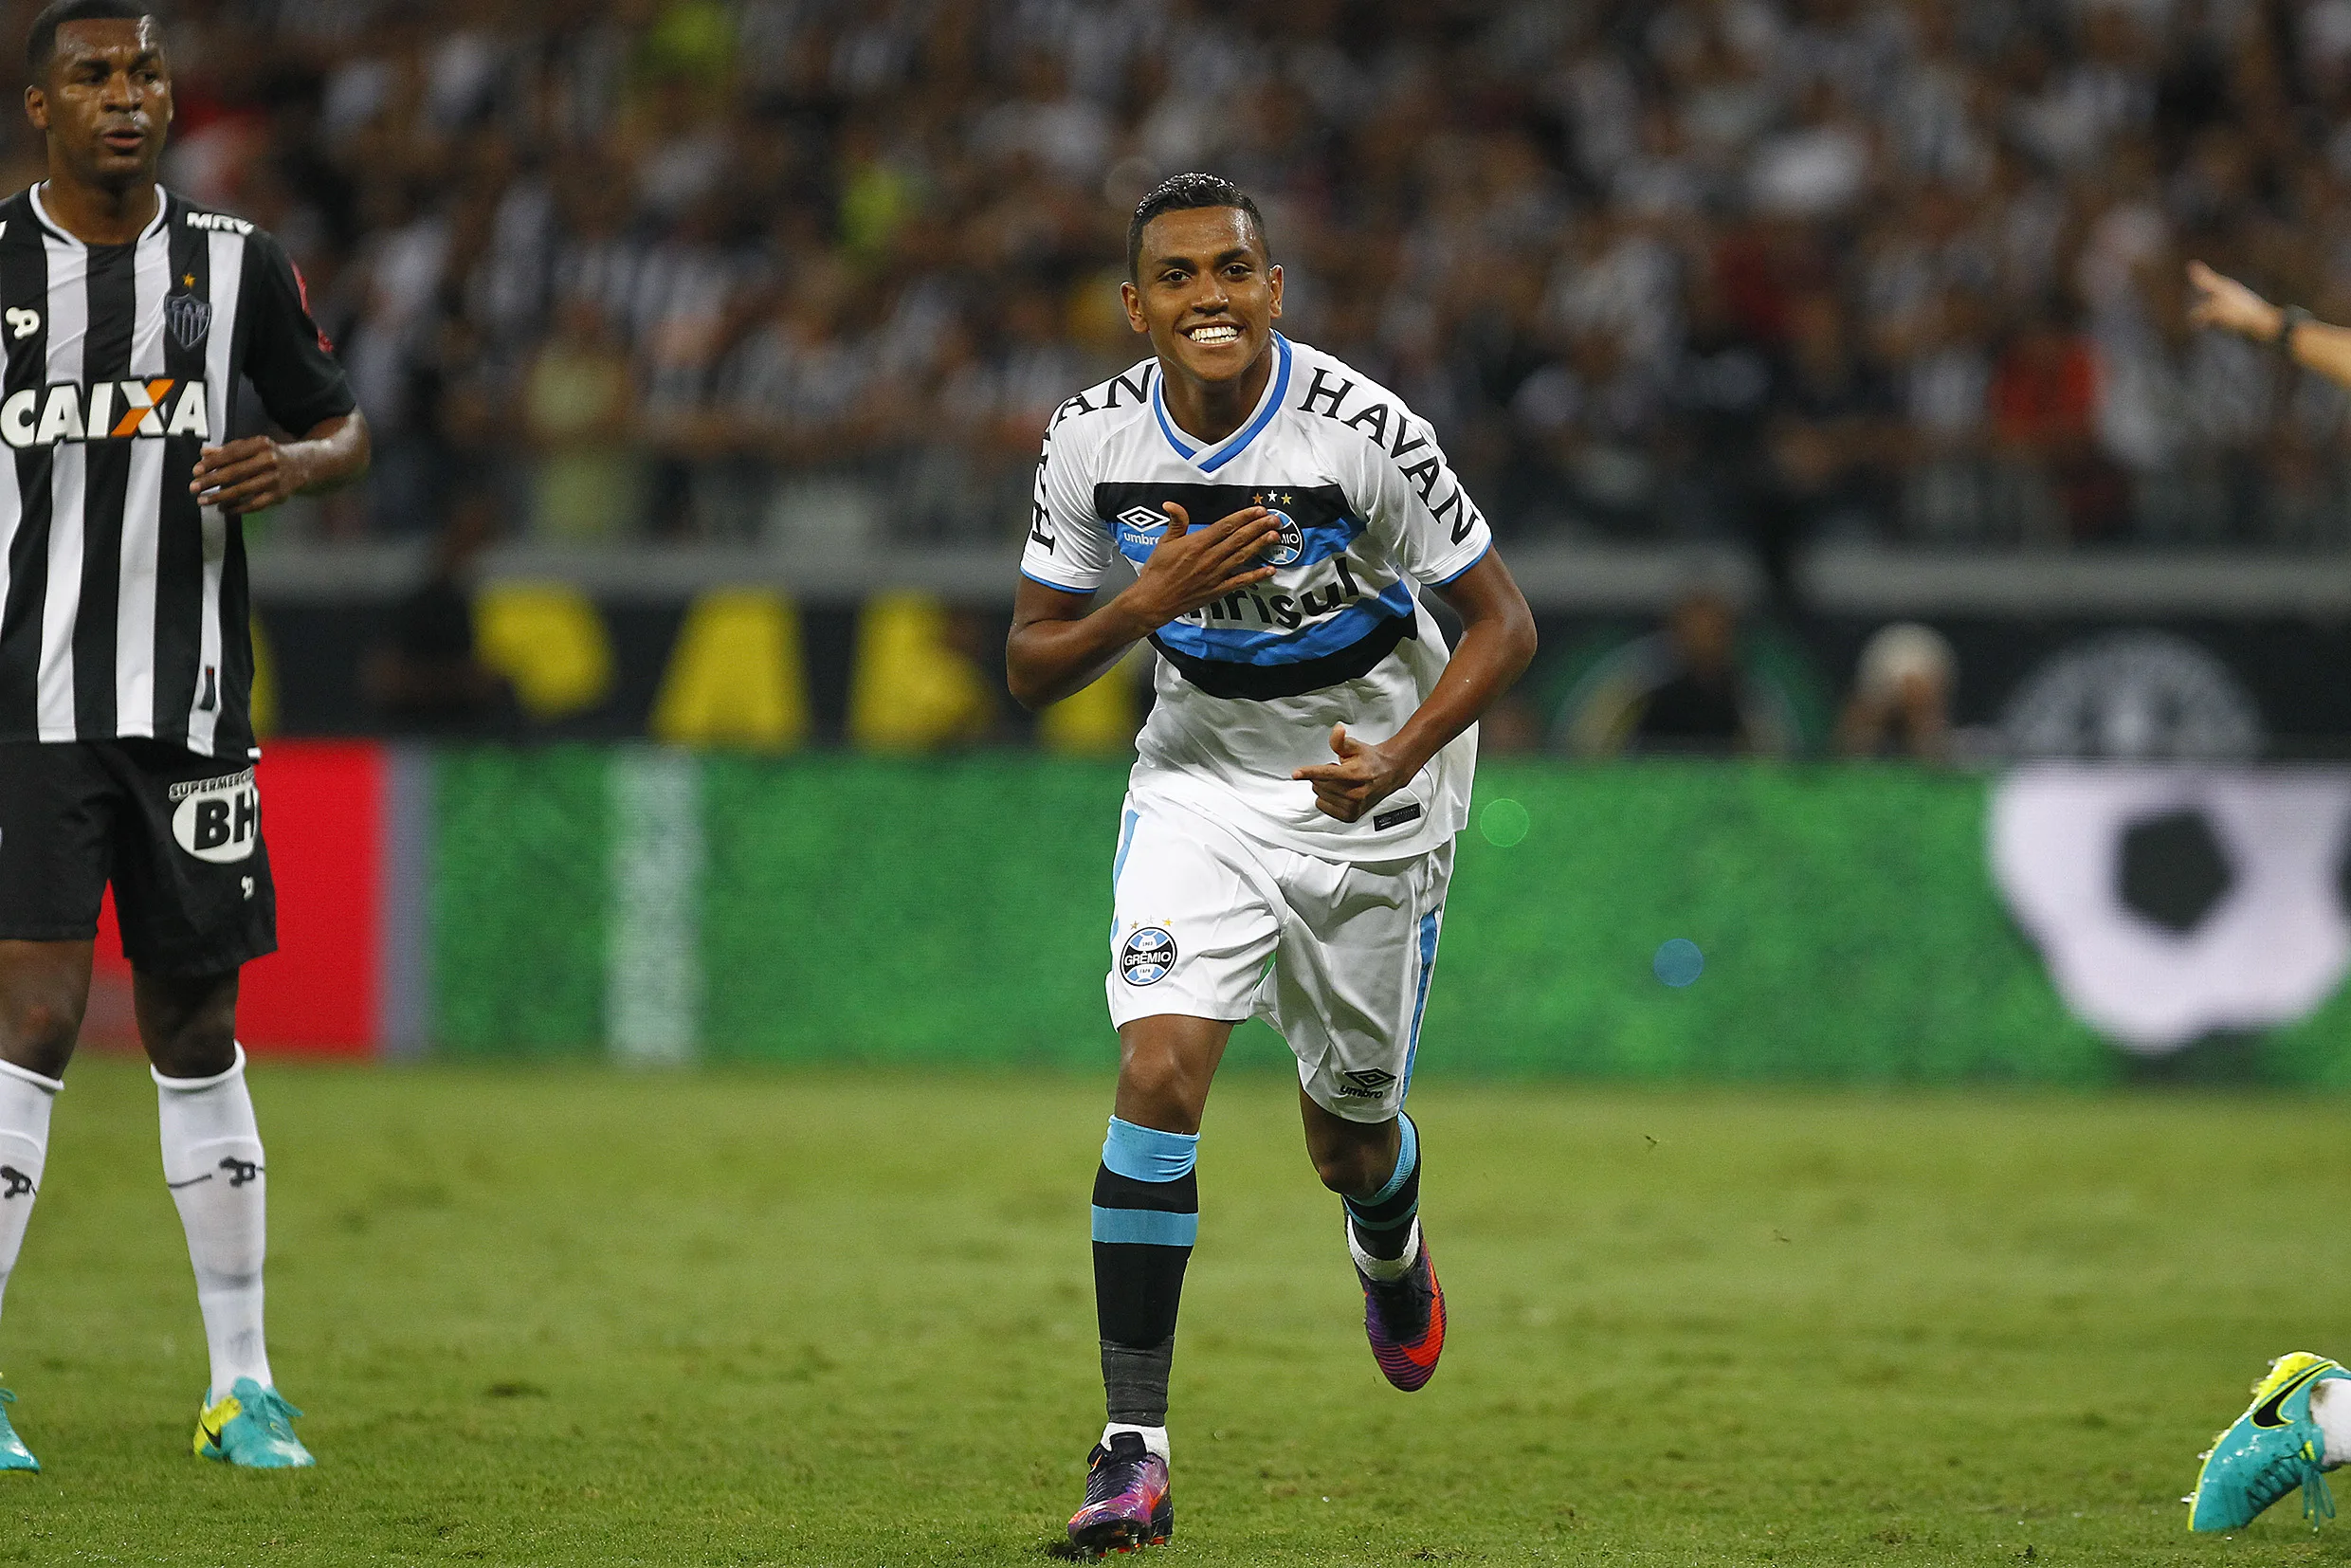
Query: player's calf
[1403, 1304]
[218, 1175]
[24, 1101]
[1146, 1216]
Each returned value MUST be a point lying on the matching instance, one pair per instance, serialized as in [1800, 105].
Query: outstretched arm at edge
[2224, 302]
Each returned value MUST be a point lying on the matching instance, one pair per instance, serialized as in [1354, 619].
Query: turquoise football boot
[252, 1428]
[13, 1454]
[2273, 1447]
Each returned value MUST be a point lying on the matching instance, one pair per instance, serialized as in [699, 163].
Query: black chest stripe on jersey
[1264, 683]
[1310, 507]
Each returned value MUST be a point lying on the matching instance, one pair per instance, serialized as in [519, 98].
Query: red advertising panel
[322, 806]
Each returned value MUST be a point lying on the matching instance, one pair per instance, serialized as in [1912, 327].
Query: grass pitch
[568, 1317]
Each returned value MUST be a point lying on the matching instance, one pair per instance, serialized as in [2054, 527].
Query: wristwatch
[2289, 319]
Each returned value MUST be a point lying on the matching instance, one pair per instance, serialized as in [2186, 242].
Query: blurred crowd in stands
[816, 272]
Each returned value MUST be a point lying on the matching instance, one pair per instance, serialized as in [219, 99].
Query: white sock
[1387, 1271]
[212, 1162]
[1155, 1438]
[25, 1100]
[2330, 1406]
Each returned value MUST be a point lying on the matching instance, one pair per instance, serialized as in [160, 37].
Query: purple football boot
[1126, 1498]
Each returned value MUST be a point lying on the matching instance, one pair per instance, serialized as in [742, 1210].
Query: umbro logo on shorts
[1148, 957]
[1366, 1083]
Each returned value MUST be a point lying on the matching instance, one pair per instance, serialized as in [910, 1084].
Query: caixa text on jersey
[105, 410]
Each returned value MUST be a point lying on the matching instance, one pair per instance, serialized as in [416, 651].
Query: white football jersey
[1249, 687]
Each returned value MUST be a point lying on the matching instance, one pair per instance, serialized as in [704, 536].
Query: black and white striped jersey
[123, 607]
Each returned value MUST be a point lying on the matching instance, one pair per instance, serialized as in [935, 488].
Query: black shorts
[179, 836]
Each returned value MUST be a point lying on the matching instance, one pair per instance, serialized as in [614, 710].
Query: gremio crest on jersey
[187, 319]
[1288, 544]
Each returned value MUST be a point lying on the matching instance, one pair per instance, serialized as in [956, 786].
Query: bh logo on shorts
[218, 819]
[1148, 956]
[1287, 545]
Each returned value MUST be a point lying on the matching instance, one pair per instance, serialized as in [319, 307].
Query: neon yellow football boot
[252, 1428]
[2273, 1447]
[13, 1454]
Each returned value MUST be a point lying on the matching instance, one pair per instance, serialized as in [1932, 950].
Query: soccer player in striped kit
[1288, 834]
[127, 318]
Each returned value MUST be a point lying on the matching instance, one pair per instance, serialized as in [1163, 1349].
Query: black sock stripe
[1396, 1209]
[1179, 1196]
[1137, 1290]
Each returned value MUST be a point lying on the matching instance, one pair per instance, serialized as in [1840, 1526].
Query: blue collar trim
[1276, 389]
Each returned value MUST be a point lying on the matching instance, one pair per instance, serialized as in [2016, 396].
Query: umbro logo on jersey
[105, 410]
[1139, 529]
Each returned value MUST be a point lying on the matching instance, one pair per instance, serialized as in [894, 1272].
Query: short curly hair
[40, 40]
[1181, 194]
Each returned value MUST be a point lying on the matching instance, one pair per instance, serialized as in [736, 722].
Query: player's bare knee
[1160, 1088]
[188, 1026]
[38, 1028]
[1350, 1169]
[202, 1046]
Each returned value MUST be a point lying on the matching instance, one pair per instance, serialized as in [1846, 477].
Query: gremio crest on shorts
[1148, 957]
[187, 319]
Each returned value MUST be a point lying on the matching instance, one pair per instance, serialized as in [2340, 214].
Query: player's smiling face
[1206, 292]
[106, 100]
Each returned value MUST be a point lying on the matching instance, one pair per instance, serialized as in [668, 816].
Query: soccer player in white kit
[1289, 831]
[2299, 1425]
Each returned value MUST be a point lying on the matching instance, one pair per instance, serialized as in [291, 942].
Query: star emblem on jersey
[187, 319]
[1148, 957]
[1287, 545]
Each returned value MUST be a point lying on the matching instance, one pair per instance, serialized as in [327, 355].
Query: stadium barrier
[1857, 923]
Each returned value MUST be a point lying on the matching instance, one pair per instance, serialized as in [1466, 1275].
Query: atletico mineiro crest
[187, 319]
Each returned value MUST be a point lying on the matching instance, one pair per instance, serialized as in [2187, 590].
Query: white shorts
[1335, 955]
